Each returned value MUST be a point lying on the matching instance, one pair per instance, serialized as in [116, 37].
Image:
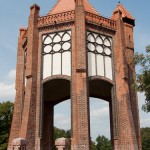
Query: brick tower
[74, 52]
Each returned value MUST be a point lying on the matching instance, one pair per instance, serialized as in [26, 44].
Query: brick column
[47, 137]
[17, 114]
[29, 112]
[80, 96]
[129, 52]
[126, 129]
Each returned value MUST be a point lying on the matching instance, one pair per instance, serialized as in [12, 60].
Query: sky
[14, 14]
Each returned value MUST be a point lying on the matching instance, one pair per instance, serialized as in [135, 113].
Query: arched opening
[56, 90]
[100, 91]
[100, 87]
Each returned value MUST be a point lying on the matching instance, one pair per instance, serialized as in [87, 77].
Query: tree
[145, 134]
[143, 77]
[103, 143]
[58, 133]
[93, 145]
[6, 110]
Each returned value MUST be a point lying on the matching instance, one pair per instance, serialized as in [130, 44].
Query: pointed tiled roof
[124, 11]
[69, 5]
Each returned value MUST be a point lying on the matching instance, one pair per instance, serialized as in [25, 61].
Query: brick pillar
[126, 129]
[129, 52]
[17, 114]
[47, 138]
[29, 112]
[80, 96]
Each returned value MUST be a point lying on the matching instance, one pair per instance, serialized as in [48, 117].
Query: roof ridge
[54, 6]
[69, 5]
[92, 7]
[127, 11]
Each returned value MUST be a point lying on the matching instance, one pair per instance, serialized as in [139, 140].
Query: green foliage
[6, 109]
[93, 145]
[103, 143]
[59, 133]
[145, 134]
[143, 78]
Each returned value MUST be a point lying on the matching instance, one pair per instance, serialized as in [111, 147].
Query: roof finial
[118, 2]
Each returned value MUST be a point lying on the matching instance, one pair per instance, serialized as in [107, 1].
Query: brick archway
[103, 88]
[100, 87]
[56, 89]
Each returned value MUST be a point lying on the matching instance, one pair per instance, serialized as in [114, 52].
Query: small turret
[125, 15]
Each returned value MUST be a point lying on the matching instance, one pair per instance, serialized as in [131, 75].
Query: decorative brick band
[80, 70]
[56, 18]
[99, 20]
[70, 16]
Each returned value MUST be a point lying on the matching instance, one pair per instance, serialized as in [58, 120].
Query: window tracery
[99, 49]
[57, 53]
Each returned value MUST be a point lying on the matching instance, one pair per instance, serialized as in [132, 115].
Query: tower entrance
[55, 91]
[75, 53]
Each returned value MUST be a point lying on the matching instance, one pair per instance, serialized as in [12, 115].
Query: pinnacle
[125, 12]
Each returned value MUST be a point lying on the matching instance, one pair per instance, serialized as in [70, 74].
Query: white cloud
[7, 86]
[62, 121]
[7, 92]
[99, 118]
[12, 74]
[102, 112]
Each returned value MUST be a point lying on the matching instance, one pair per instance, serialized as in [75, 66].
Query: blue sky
[14, 14]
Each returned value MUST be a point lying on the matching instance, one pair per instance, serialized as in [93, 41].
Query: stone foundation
[19, 144]
[62, 144]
